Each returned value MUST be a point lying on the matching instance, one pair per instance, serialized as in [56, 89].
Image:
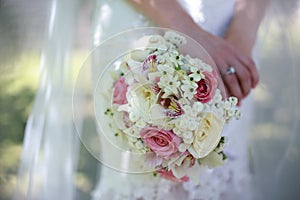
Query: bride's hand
[226, 55]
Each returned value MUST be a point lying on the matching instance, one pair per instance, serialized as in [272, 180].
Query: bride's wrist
[244, 42]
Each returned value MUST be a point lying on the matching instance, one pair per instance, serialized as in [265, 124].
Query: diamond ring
[230, 70]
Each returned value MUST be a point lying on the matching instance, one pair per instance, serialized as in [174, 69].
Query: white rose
[207, 135]
[141, 99]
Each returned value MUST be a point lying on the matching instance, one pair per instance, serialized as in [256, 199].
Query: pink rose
[170, 176]
[120, 90]
[207, 87]
[164, 143]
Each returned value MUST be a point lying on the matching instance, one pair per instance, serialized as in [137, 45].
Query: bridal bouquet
[168, 106]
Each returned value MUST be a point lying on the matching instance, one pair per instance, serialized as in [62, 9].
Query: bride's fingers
[233, 86]
[244, 77]
[230, 81]
[249, 63]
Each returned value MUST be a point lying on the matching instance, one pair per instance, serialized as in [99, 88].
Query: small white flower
[227, 105]
[169, 84]
[187, 109]
[233, 101]
[161, 59]
[173, 53]
[132, 139]
[218, 97]
[198, 107]
[157, 48]
[189, 89]
[189, 112]
[161, 48]
[237, 114]
[155, 39]
[133, 131]
[231, 112]
[139, 144]
[165, 70]
[178, 130]
[174, 38]
[192, 123]
[196, 74]
[175, 59]
[199, 63]
[188, 121]
[182, 126]
[181, 74]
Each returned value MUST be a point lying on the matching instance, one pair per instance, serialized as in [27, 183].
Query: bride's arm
[170, 14]
[243, 28]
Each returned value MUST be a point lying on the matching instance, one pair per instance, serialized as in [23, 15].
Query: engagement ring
[230, 70]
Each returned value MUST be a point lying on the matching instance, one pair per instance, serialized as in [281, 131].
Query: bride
[227, 30]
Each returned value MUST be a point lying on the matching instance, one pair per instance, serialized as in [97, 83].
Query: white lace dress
[231, 181]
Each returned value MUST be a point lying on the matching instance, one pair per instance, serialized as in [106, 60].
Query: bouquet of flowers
[168, 106]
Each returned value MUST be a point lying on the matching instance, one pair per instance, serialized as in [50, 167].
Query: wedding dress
[231, 181]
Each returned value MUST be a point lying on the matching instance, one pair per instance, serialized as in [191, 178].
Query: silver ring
[230, 70]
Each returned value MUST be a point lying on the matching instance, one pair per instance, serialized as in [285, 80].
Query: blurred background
[275, 141]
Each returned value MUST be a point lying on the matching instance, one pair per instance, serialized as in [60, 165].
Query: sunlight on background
[22, 33]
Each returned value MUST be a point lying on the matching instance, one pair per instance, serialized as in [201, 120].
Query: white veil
[51, 147]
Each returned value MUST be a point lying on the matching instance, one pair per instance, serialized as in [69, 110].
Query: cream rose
[207, 135]
[141, 98]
